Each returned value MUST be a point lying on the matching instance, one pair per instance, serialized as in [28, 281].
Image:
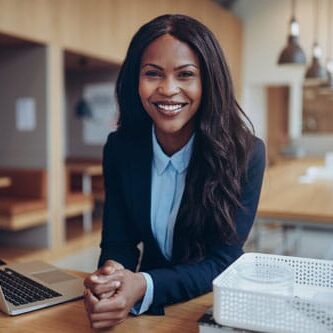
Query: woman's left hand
[99, 282]
[111, 311]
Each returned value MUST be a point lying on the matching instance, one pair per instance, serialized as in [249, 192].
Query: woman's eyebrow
[176, 68]
[152, 65]
[186, 65]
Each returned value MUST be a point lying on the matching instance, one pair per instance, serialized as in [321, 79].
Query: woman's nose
[168, 87]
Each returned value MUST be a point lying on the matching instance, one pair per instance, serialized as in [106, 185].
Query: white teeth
[169, 107]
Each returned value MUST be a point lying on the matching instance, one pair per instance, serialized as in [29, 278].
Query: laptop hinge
[3, 304]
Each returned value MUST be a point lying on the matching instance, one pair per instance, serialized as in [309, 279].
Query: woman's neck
[171, 143]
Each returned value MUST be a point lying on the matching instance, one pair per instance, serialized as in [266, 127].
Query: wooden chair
[23, 204]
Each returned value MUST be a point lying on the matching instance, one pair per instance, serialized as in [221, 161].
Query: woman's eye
[152, 74]
[186, 74]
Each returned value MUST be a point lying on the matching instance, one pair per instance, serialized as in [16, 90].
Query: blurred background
[59, 60]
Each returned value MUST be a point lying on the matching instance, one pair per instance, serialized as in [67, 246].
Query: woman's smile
[170, 108]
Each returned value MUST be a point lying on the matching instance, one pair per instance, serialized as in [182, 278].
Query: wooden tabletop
[91, 169]
[71, 317]
[5, 181]
[284, 196]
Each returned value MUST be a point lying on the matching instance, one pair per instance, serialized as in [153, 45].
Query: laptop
[29, 286]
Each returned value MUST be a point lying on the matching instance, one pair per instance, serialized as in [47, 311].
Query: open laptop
[29, 286]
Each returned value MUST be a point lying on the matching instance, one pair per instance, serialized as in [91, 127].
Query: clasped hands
[110, 293]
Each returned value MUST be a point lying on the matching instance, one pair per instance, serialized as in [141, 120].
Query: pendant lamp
[292, 53]
[82, 108]
[316, 71]
[329, 60]
[329, 67]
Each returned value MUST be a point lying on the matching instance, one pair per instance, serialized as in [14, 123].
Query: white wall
[266, 24]
[22, 74]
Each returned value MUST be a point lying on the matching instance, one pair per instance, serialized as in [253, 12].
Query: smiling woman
[183, 174]
[170, 90]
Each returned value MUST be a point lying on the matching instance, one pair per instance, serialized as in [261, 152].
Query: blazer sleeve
[185, 281]
[118, 239]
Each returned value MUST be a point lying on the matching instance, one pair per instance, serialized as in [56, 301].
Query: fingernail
[105, 295]
[117, 284]
[109, 269]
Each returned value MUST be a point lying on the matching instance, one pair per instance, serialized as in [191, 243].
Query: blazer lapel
[141, 159]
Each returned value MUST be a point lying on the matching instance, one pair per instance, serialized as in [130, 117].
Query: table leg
[87, 221]
[87, 189]
[86, 184]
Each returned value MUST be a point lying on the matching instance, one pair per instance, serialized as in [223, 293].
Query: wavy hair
[223, 141]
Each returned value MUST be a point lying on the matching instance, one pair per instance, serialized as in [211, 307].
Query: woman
[183, 174]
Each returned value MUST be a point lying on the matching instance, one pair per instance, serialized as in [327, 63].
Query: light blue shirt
[167, 187]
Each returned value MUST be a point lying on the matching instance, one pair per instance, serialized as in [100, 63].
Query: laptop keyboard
[20, 290]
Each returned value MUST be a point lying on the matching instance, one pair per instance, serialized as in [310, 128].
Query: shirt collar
[180, 160]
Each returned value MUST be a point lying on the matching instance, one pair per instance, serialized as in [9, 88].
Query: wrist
[142, 285]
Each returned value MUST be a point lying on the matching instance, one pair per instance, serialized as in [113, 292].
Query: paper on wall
[101, 100]
[26, 114]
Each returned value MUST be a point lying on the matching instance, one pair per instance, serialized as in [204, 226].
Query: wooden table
[71, 318]
[91, 169]
[5, 181]
[285, 200]
[284, 197]
[87, 170]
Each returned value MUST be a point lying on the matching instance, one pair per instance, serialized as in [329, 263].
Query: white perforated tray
[265, 312]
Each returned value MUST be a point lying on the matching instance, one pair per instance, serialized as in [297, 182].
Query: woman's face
[170, 87]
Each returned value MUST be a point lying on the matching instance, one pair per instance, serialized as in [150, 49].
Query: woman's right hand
[99, 282]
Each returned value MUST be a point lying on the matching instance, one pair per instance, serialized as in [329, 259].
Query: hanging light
[292, 53]
[329, 67]
[316, 71]
[329, 61]
[82, 108]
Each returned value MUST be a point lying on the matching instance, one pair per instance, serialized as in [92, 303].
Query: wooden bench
[23, 204]
[78, 204]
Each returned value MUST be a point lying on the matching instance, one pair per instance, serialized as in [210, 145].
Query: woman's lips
[169, 108]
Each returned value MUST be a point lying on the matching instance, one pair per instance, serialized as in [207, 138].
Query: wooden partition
[101, 29]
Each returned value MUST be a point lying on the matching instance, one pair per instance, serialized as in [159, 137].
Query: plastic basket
[267, 312]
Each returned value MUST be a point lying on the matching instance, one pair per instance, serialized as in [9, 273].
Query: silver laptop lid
[68, 286]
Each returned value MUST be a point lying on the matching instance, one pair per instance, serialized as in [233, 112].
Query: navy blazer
[127, 164]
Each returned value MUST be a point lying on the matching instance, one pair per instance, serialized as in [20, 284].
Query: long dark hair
[222, 143]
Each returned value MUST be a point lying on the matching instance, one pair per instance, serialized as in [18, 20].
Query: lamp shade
[83, 109]
[292, 53]
[329, 70]
[316, 70]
